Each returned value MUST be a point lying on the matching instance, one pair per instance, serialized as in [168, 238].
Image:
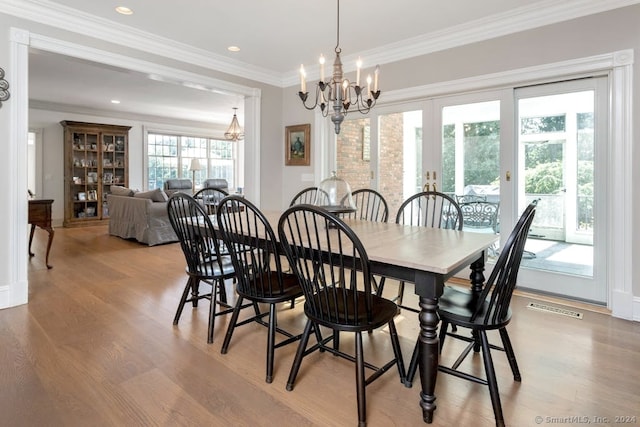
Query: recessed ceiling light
[123, 10]
[115, 101]
[233, 49]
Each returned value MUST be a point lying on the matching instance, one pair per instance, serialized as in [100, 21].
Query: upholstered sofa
[140, 215]
[143, 216]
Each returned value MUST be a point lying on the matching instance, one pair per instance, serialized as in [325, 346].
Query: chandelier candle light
[340, 92]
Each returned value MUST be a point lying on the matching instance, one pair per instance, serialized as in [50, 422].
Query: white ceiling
[275, 37]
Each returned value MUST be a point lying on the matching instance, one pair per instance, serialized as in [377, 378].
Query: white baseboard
[636, 309]
[623, 305]
[11, 299]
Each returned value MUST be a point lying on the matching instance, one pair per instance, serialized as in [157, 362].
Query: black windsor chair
[252, 244]
[333, 269]
[307, 196]
[489, 312]
[370, 206]
[210, 198]
[200, 244]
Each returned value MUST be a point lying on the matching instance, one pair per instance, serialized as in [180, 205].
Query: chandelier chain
[337, 49]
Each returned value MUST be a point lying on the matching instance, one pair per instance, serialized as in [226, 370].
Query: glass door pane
[471, 164]
[471, 151]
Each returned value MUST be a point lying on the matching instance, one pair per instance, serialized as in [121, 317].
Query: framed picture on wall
[297, 149]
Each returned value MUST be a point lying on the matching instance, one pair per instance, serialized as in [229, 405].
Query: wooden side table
[40, 215]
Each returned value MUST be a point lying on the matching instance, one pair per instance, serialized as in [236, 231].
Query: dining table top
[434, 250]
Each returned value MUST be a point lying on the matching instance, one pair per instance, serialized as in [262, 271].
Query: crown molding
[540, 14]
[147, 119]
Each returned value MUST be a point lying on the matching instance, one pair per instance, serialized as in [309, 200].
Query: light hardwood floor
[96, 346]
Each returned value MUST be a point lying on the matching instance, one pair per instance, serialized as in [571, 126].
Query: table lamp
[195, 166]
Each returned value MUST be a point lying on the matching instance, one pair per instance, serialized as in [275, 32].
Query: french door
[508, 147]
[562, 150]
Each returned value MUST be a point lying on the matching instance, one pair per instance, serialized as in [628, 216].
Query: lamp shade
[195, 165]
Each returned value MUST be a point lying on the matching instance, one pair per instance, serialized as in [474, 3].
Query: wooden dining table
[427, 257]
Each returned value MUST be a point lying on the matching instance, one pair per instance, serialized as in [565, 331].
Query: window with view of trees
[169, 156]
[545, 167]
[481, 164]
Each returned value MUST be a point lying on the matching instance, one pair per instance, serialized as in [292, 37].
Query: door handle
[434, 187]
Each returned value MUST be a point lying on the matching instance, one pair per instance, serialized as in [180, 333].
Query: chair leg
[400, 293]
[319, 338]
[511, 357]
[397, 351]
[336, 341]
[183, 301]
[195, 291]
[413, 365]
[360, 382]
[223, 291]
[232, 325]
[491, 379]
[476, 340]
[212, 309]
[381, 286]
[271, 342]
[444, 325]
[297, 361]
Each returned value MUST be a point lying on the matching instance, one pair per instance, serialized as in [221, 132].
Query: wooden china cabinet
[95, 157]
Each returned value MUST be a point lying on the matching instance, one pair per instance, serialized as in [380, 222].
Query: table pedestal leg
[477, 278]
[429, 353]
[477, 284]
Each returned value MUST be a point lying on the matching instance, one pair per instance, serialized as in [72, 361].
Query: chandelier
[235, 132]
[338, 91]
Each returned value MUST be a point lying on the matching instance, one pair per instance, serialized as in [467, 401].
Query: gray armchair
[178, 185]
[218, 183]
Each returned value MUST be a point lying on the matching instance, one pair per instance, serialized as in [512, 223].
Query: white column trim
[621, 299]
[252, 147]
[16, 291]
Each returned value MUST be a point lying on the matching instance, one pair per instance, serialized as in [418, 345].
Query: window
[170, 156]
